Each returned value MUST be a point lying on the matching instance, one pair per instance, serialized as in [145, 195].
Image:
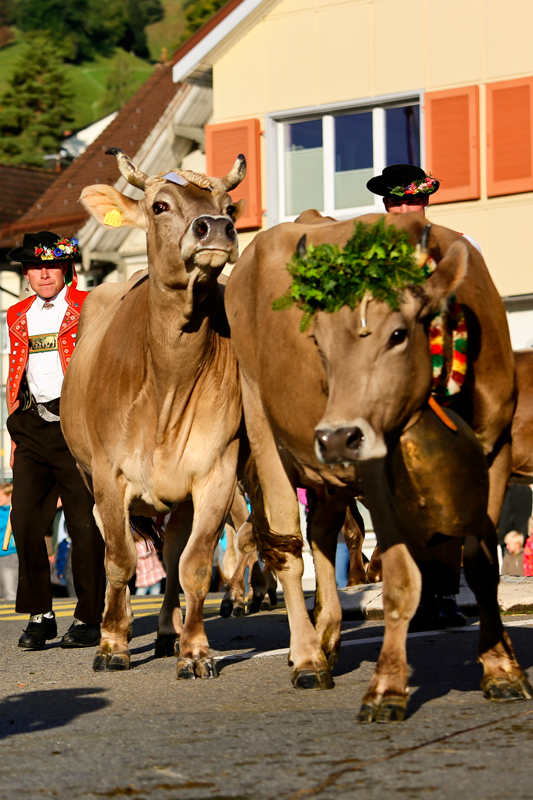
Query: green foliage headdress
[377, 260]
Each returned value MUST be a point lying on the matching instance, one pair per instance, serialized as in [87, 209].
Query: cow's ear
[112, 208]
[239, 206]
[445, 279]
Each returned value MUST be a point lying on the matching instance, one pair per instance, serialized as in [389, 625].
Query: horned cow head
[179, 207]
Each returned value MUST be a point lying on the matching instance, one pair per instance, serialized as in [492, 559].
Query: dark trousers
[43, 468]
[440, 567]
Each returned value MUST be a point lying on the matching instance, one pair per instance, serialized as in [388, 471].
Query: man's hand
[12, 456]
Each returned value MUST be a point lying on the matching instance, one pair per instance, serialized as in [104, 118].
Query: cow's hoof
[255, 605]
[513, 687]
[392, 709]
[238, 610]
[130, 632]
[185, 670]
[100, 662]
[119, 662]
[309, 679]
[206, 668]
[266, 605]
[367, 713]
[166, 645]
[226, 607]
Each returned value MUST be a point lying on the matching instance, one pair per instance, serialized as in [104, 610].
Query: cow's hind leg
[386, 697]
[112, 517]
[233, 602]
[354, 536]
[503, 678]
[170, 617]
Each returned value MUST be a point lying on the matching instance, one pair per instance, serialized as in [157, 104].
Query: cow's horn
[236, 175]
[301, 247]
[422, 248]
[127, 168]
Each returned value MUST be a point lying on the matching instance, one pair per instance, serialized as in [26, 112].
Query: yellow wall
[313, 52]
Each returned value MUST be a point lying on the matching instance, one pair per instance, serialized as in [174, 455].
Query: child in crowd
[150, 571]
[513, 560]
[528, 550]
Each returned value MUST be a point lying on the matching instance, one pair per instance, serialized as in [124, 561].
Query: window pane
[304, 167]
[403, 135]
[354, 160]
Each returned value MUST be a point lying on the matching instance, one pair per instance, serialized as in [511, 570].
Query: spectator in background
[513, 560]
[150, 571]
[528, 551]
[9, 562]
[515, 513]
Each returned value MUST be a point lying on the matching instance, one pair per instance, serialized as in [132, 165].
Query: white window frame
[274, 133]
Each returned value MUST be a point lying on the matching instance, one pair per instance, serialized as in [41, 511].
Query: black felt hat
[38, 248]
[403, 180]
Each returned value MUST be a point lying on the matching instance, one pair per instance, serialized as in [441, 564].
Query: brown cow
[285, 396]
[151, 406]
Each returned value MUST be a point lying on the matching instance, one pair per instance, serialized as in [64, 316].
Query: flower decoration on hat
[426, 185]
[63, 249]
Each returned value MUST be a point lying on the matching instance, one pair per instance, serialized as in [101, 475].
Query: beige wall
[312, 52]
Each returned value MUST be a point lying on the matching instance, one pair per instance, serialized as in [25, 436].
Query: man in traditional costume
[42, 336]
[404, 188]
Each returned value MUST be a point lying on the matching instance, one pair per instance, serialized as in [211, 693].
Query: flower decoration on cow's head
[403, 180]
[378, 261]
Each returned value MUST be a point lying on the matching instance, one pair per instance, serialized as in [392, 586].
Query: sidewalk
[515, 596]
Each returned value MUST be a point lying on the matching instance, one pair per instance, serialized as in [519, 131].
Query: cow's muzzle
[211, 241]
[348, 443]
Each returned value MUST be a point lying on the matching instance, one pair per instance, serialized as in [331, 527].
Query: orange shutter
[452, 143]
[223, 143]
[509, 137]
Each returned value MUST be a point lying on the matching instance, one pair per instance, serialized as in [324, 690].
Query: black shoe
[39, 630]
[81, 634]
[450, 615]
[426, 617]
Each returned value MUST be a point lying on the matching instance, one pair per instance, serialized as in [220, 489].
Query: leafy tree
[83, 28]
[35, 110]
[7, 18]
[197, 12]
[139, 14]
[119, 84]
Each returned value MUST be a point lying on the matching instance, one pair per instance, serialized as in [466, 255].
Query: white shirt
[44, 370]
[472, 242]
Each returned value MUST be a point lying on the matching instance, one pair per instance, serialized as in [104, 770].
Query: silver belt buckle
[46, 415]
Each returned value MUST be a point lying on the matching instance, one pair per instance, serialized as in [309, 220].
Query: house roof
[57, 209]
[21, 188]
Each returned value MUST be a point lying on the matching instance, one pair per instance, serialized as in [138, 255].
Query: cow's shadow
[46, 709]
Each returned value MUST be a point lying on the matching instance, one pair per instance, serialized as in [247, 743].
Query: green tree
[139, 14]
[83, 28]
[197, 12]
[35, 110]
[119, 84]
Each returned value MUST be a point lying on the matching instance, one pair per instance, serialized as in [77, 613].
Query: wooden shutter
[223, 143]
[509, 137]
[452, 143]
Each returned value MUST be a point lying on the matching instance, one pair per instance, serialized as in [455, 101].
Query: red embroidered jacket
[18, 336]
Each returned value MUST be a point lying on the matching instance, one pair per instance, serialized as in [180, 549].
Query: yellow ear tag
[113, 218]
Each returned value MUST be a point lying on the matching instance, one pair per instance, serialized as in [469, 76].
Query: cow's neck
[182, 341]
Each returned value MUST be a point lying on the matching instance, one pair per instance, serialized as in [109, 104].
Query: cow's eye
[158, 208]
[397, 337]
[231, 211]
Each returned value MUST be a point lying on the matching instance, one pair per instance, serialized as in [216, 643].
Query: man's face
[46, 280]
[401, 205]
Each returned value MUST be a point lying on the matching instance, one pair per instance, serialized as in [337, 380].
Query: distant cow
[151, 406]
[316, 403]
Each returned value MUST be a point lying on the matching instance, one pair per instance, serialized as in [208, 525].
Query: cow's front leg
[354, 535]
[324, 523]
[238, 548]
[170, 617]
[503, 678]
[212, 502]
[120, 562]
[386, 697]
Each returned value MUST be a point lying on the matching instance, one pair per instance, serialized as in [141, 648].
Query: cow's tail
[149, 529]
[273, 546]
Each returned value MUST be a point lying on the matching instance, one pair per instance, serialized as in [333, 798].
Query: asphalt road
[67, 732]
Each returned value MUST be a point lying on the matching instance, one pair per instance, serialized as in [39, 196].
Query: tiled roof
[21, 188]
[58, 209]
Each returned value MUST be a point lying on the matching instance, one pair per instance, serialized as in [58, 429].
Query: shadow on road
[47, 709]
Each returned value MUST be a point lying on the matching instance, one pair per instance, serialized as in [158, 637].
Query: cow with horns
[346, 404]
[151, 406]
